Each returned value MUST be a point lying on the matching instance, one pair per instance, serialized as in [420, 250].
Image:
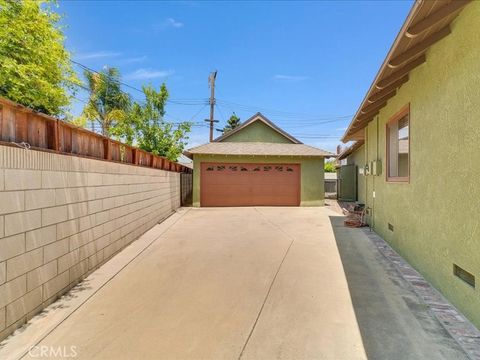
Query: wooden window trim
[404, 111]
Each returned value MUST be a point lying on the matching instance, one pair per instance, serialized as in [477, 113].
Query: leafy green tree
[35, 67]
[151, 132]
[232, 123]
[80, 121]
[107, 104]
[330, 166]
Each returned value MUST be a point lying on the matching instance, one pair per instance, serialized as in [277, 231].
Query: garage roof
[252, 148]
[262, 118]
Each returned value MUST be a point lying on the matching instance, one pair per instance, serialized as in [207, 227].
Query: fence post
[56, 140]
[135, 156]
[107, 152]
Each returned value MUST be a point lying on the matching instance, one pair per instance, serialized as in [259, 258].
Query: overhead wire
[282, 112]
[220, 111]
[187, 101]
[301, 119]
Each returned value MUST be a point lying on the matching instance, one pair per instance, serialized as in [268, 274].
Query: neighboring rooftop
[349, 150]
[253, 148]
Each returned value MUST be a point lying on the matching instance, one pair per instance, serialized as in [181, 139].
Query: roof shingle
[251, 148]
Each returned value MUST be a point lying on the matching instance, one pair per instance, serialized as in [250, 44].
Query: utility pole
[211, 83]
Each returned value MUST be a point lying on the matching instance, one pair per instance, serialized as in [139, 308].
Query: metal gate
[347, 183]
[186, 188]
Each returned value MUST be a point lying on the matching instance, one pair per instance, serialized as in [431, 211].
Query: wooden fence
[19, 124]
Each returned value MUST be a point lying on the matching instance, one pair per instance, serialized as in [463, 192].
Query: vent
[390, 227]
[464, 275]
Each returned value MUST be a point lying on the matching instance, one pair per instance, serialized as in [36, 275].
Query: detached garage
[257, 164]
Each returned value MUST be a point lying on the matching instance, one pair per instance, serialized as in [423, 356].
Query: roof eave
[413, 10]
[350, 150]
[421, 30]
[248, 154]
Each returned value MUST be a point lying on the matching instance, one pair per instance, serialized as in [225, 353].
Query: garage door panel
[227, 184]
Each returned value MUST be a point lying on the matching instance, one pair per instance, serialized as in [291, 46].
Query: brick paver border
[462, 330]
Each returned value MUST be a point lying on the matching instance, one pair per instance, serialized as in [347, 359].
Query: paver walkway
[250, 283]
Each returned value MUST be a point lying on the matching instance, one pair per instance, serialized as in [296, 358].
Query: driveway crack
[271, 283]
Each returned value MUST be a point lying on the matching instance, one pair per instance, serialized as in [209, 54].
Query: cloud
[97, 55]
[146, 74]
[289, 77]
[167, 23]
[134, 59]
[173, 23]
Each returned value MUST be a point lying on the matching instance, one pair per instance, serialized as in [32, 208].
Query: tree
[79, 121]
[35, 66]
[107, 104]
[330, 166]
[232, 123]
[152, 133]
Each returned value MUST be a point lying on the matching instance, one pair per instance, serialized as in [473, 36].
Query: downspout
[374, 176]
[369, 209]
[365, 157]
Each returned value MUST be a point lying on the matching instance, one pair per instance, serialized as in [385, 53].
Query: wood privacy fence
[330, 185]
[19, 124]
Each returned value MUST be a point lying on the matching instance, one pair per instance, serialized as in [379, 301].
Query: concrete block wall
[62, 216]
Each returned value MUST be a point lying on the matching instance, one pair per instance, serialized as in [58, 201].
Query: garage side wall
[312, 173]
[63, 216]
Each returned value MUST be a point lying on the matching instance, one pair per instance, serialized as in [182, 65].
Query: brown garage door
[226, 184]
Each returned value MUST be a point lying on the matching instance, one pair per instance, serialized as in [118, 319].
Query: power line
[285, 113]
[221, 113]
[189, 101]
[200, 101]
[198, 112]
[316, 136]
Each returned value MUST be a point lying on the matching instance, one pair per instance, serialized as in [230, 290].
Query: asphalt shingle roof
[254, 148]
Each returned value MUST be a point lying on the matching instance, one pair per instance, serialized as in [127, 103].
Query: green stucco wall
[436, 217]
[257, 132]
[358, 158]
[312, 184]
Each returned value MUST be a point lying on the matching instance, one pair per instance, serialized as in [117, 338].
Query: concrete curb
[22, 340]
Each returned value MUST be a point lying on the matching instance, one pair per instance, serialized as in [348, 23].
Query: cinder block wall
[63, 216]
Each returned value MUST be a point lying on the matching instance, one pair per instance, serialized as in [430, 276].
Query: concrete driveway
[250, 283]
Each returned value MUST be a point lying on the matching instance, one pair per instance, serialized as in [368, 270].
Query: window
[398, 147]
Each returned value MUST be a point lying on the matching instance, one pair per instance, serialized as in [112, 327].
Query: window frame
[404, 111]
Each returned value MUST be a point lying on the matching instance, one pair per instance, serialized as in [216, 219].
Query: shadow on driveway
[394, 322]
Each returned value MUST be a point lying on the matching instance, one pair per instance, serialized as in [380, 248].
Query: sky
[304, 65]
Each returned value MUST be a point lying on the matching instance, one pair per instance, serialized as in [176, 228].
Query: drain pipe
[374, 176]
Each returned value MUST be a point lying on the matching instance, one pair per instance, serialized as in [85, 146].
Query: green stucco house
[418, 164]
[257, 164]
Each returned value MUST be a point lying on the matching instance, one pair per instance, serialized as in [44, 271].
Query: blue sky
[305, 65]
